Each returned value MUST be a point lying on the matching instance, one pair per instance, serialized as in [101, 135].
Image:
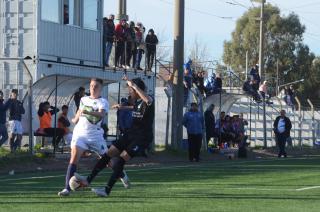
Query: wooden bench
[40, 133]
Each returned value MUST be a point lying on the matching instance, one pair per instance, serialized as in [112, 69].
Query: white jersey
[90, 125]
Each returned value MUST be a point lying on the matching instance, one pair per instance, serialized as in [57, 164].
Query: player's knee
[117, 163]
[113, 151]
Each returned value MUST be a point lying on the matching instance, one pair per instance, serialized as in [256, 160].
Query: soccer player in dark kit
[134, 141]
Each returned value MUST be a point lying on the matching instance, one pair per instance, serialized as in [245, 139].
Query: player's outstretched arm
[122, 107]
[77, 116]
[146, 98]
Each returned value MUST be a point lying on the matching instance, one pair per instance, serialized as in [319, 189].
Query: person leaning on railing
[108, 36]
[139, 29]
[120, 43]
[151, 43]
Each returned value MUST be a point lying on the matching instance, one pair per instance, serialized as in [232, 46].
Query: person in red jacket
[120, 32]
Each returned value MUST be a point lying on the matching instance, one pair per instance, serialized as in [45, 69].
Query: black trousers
[281, 138]
[128, 53]
[150, 57]
[194, 143]
[59, 134]
[119, 54]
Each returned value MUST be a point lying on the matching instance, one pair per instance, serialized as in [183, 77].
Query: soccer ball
[74, 183]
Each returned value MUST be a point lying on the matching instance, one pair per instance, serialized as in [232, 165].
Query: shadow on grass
[105, 200]
[128, 199]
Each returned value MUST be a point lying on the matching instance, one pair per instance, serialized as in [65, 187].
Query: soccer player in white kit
[87, 134]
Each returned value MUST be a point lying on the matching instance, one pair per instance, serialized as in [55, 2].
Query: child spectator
[64, 123]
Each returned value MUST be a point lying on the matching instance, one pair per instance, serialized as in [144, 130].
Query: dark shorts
[133, 145]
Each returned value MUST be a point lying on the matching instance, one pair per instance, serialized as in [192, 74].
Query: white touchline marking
[245, 188]
[31, 178]
[205, 165]
[307, 188]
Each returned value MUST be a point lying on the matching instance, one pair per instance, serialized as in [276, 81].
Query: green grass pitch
[239, 185]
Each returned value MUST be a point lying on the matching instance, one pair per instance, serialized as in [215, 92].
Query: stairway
[272, 111]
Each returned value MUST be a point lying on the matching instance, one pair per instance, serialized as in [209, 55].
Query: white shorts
[68, 138]
[98, 145]
[15, 127]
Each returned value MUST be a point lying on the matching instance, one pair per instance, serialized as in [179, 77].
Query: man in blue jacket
[194, 122]
[282, 126]
[3, 128]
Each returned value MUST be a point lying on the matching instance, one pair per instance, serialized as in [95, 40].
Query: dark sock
[108, 190]
[122, 175]
[100, 165]
[117, 165]
[72, 168]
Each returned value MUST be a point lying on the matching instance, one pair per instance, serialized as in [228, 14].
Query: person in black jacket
[108, 37]
[3, 127]
[282, 126]
[209, 122]
[78, 95]
[15, 129]
[151, 43]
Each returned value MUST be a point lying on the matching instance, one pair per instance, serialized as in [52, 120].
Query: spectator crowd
[130, 43]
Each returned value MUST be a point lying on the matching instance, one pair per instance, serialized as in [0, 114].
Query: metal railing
[127, 56]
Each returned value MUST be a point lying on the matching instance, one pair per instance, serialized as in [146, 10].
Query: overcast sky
[212, 21]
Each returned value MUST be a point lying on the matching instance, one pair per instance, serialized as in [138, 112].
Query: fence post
[168, 117]
[300, 121]
[313, 125]
[250, 118]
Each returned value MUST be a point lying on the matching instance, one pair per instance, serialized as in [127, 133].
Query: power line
[201, 12]
[251, 3]
[311, 36]
[305, 5]
[241, 5]
[300, 16]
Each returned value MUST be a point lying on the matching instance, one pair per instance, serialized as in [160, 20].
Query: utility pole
[178, 52]
[247, 61]
[122, 10]
[277, 82]
[261, 46]
[261, 70]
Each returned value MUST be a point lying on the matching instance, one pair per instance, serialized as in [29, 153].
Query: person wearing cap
[134, 141]
[3, 128]
[151, 43]
[16, 110]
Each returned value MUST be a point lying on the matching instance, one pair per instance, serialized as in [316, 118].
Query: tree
[310, 89]
[283, 42]
[198, 52]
